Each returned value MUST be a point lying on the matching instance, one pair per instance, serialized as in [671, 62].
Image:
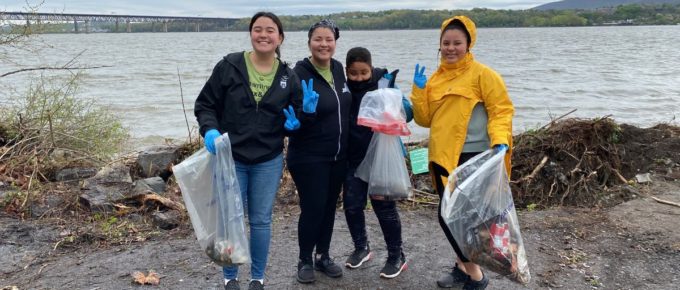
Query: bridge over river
[191, 23]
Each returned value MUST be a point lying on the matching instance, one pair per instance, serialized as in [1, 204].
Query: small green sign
[418, 160]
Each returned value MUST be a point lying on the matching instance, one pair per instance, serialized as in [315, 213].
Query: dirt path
[635, 245]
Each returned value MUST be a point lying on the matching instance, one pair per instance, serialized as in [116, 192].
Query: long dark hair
[276, 20]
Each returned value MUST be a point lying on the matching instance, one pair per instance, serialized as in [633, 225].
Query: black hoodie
[226, 103]
[322, 136]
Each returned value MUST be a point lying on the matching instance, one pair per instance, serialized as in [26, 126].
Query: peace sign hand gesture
[292, 122]
[419, 77]
[309, 97]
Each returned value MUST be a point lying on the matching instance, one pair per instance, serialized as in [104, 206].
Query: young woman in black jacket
[253, 96]
[317, 158]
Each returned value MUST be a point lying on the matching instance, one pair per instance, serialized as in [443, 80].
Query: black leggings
[318, 186]
[354, 201]
[437, 171]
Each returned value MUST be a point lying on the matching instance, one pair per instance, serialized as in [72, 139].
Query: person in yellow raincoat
[467, 108]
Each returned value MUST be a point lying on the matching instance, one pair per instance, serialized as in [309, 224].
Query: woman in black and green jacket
[317, 158]
[253, 96]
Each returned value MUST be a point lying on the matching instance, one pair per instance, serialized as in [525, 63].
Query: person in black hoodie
[362, 77]
[253, 96]
[317, 153]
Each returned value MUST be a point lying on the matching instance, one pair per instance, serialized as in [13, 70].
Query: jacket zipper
[339, 125]
[337, 98]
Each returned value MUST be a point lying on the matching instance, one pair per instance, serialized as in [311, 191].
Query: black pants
[354, 202]
[438, 171]
[318, 185]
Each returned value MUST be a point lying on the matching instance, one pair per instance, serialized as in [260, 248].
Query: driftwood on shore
[666, 202]
[581, 162]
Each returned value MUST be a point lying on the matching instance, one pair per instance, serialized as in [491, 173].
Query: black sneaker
[358, 257]
[326, 265]
[255, 285]
[476, 285]
[305, 272]
[456, 278]
[232, 285]
[394, 266]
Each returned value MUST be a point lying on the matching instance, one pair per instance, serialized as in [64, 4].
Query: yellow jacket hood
[469, 26]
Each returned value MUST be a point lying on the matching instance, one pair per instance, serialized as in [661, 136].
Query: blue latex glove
[292, 122]
[500, 147]
[309, 97]
[210, 137]
[408, 108]
[419, 78]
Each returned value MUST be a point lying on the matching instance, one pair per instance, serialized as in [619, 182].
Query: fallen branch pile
[568, 163]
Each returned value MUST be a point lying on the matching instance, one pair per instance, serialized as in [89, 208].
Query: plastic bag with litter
[213, 199]
[384, 169]
[383, 111]
[479, 211]
[384, 166]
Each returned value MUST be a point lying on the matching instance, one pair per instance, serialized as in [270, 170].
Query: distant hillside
[594, 4]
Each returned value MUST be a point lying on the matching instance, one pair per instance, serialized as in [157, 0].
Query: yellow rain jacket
[445, 105]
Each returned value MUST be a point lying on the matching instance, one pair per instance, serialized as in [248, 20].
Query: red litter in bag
[389, 125]
[500, 239]
[382, 110]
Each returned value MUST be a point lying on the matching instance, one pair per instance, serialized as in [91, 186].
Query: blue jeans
[259, 183]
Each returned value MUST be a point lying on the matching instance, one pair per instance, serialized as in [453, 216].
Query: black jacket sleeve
[205, 108]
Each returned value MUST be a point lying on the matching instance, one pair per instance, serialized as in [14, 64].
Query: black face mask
[362, 86]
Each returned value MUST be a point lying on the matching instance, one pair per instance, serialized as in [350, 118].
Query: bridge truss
[114, 18]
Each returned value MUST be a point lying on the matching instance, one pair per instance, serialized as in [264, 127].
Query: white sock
[261, 280]
[227, 280]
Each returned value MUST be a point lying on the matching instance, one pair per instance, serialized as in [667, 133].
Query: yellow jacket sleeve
[498, 106]
[421, 107]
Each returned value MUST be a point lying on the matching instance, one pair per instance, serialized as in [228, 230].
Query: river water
[631, 73]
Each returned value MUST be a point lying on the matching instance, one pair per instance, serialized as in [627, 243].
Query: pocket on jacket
[461, 91]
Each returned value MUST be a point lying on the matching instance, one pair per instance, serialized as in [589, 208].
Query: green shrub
[50, 118]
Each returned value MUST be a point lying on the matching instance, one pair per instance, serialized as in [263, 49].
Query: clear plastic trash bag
[478, 208]
[384, 169]
[382, 110]
[194, 176]
[213, 199]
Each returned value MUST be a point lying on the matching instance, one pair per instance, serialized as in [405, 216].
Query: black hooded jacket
[226, 103]
[323, 135]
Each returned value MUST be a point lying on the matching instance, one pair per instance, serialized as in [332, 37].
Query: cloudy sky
[245, 8]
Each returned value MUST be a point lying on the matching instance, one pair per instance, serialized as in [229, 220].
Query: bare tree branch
[51, 68]
[181, 94]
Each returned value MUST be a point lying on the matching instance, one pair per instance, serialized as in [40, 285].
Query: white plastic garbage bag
[384, 169]
[213, 199]
[383, 111]
[478, 208]
[194, 176]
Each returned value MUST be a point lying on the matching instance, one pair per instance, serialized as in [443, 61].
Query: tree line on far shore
[631, 14]
[634, 14]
